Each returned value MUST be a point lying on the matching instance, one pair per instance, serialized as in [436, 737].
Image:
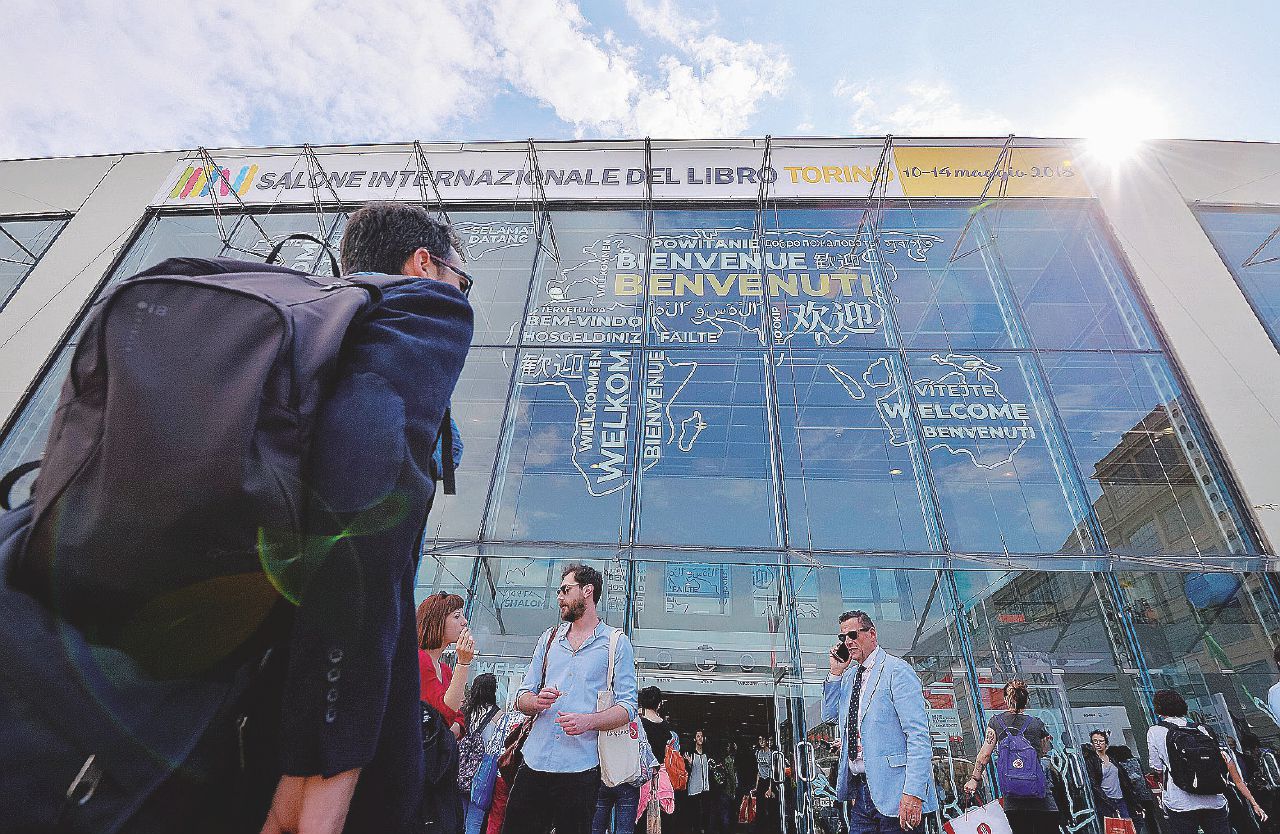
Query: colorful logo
[195, 183]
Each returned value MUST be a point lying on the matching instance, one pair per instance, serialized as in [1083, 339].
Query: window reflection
[22, 245]
[852, 482]
[1154, 487]
[1250, 248]
[706, 470]
[567, 465]
[586, 290]
[994, 455]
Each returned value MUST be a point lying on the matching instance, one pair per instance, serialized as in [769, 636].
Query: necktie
[852, 726]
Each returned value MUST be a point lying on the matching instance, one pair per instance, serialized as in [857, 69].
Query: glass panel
[500, 248]
[1205, 635]
[477, 407]
[248, 241]
[589, 286]
[565, 473]
[913, 619]
[1073, 293]
[852, 480]
[1059, 633]
[1154, 485]
[709, 621]
[1003, 484]
[706, 474]
[940, 303]
[22, 244]
[1250, 248]
[707, 280]
[827, 295]
[164, 237]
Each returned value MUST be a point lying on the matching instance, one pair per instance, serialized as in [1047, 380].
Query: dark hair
[650, 697]
[381, 236]
[863, 618]
[1170, 704]
[1102, 733]
[481, 697]
[1120, 753]
[432, 613]
[585, 575]
[1016, 691]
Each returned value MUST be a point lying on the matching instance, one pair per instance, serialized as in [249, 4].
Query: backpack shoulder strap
[485, 723]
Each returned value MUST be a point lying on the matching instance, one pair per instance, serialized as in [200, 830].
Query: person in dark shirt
[351, 735]
[1027, 815]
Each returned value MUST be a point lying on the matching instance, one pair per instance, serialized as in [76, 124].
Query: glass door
[793, 765]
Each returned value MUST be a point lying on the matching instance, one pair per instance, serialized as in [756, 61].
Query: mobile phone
[842, 653]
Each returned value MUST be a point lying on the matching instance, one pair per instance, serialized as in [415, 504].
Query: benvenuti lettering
[745, 285]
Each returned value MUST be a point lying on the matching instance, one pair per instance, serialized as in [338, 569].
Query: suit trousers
[542, 801]
[865, 818]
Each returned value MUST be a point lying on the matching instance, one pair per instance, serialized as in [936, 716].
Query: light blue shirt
[579, 676]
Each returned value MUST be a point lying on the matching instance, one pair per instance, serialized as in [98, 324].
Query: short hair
[863, 618]
[1102, 733]
[585, 575]
[650, 697]
[1170, 704]
[381, 236]
[432, 612]
[1017, 693]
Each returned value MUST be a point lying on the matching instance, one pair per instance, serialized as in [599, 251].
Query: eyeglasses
[564, 589]
[850, 635]
[465, 280]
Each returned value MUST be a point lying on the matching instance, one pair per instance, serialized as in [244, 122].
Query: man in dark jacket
[351, 738]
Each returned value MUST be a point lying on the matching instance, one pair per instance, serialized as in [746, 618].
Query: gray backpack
[169, 505]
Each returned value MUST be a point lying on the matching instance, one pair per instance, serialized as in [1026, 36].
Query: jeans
[1212, 820]
[541, 801]
[1108, 807]
[865, 818]
[622, 800]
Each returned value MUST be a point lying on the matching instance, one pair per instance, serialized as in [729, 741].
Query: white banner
[505, 175]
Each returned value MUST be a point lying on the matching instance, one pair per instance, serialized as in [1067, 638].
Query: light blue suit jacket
[895, 734]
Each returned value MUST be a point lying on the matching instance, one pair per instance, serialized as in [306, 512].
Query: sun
[1117, 122]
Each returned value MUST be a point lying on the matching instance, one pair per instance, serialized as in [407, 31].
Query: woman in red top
[441, 623]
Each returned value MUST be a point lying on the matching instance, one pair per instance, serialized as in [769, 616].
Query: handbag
[747, 810]
[677, 770]
[512, 756]
[483, 782]
[619, 748]
[980, 819]
[1118, 825]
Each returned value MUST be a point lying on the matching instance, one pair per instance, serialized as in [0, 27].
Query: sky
[93, 77]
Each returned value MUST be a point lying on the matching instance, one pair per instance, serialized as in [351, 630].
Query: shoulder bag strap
[485, 723]
[613, 648]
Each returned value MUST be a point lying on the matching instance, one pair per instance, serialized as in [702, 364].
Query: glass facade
[955, 416]
[1249, 242]
[23, 242]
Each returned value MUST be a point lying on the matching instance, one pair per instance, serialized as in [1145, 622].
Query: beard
[572, 611]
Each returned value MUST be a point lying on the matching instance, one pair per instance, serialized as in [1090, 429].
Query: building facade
[1016, 404]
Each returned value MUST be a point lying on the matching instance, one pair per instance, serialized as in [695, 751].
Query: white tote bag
[620, 747]
[981, 819]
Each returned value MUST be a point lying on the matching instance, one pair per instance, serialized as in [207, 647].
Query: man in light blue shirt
[556, 785]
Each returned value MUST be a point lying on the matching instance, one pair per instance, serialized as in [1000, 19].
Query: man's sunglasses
[850, 635]
[464, 279]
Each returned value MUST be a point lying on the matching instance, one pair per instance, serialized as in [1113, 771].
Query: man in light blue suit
[886, 767]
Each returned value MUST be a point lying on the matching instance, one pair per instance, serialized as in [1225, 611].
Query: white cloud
[97, 76]
[714, 88]
[93, 76]
[915, 109]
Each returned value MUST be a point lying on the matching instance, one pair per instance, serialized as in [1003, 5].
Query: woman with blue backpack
[1018, 742]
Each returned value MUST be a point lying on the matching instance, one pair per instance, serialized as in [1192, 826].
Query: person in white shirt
[1273, 695]
[1188, 811]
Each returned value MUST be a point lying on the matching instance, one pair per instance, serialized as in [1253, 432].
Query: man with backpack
[213, 582]
[1192, 770]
